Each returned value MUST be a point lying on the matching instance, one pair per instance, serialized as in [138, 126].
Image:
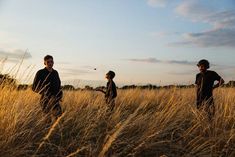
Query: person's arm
[114, 91]
[60, 92]
[100, 90]
[220, 82]
[58, 81]
[196, 83]
[108, 89]
[36, 83]
[58, 77]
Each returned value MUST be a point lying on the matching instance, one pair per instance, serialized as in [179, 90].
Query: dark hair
[111, 74]
[47, 57]
[205, 63]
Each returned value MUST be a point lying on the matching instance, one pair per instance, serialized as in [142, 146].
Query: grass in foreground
[144, 123]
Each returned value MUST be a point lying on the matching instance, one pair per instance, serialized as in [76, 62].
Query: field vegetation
[162, 122]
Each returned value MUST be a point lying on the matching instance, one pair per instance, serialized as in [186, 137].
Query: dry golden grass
[144, 123]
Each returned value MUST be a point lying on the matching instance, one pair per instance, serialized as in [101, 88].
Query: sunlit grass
[144, 123]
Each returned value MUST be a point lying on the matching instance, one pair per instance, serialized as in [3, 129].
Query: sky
[143, 41]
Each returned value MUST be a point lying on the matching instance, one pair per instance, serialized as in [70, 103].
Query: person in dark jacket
[205, 85]
[111, 90]
[47, 83]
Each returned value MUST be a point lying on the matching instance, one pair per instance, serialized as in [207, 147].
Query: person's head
[203, 65]
[110, 75]
[48, 61]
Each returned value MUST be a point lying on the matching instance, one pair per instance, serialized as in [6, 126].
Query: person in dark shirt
[47, 83]
[111, 90]
[205, 86]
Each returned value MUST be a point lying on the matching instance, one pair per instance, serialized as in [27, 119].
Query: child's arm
[221, 82]
[113, 91]
[196, 83]
[36, 83]
[100, 90]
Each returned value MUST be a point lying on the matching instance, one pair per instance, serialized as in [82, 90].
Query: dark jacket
[47, 83]
[205, 82]
[111, 92]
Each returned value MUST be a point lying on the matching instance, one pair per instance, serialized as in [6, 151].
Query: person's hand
[98, 89]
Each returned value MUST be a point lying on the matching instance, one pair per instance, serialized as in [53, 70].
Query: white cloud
[198, 12]
[74, 71]
[145, 60]
[222, 31]
[223, 19]
[157, 3]
[154, 60]
[193, 9]
[15, 55]
[213, 38]
[180, 73]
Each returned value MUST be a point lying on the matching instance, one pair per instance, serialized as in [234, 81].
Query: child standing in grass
[111, 90]
[205, 86]
[47, 83]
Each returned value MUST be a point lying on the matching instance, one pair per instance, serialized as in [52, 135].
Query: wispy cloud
[154, 60]
[157, 3]
[63, 63]
[211, 38]
[145, 60]
[14, 56]
[222, 32]
[162, 34]
[74, 71]
[88, 67]
[188, 72]
[223, 69]
[198, 12]
[194, 10]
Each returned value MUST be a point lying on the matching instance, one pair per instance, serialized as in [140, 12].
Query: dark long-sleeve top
[47, 83]
[205, 82]
[111, 91]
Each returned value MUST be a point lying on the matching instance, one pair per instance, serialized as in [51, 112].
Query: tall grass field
[144, 123]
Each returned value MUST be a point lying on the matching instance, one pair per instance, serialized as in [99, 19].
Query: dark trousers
[207, 104]
[51, 105]
[111, 103]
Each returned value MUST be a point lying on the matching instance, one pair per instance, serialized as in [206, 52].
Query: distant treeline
[7, 80]
[149, 87]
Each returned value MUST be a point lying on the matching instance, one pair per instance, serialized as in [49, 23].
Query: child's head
[110, 75]
[48, 61]
[203, 65]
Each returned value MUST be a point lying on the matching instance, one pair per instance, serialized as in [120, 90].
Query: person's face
[49, 63]
[202, 68]
[107, 76]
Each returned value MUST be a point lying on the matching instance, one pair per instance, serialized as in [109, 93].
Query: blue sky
[144, 41]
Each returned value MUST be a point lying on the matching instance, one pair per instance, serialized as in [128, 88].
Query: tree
[88, 88]
[7, 80]
[68, 87]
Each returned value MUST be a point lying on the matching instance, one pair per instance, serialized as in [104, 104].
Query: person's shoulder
[198, 74]
[55, 71]
[113, 83]
[215, 75]
[212, 72]
[41, 71]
